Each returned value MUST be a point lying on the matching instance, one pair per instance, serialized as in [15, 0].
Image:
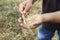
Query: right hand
[21, 23]
[25, 7]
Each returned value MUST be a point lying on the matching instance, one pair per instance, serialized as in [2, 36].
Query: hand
[21, 23]
[25, 7]
[37, 21]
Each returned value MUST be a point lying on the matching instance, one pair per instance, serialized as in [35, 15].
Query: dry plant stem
[24, 20]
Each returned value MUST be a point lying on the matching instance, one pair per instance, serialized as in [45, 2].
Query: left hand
[37, 21]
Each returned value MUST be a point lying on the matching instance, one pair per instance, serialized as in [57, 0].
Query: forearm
[51, 17]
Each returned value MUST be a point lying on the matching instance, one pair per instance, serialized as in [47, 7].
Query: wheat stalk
[24, 20]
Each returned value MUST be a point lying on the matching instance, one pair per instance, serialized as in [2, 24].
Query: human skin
[53, 17]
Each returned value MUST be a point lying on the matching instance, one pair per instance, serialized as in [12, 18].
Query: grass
[9, 26]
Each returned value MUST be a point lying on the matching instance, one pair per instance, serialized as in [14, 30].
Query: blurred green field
[9, 27]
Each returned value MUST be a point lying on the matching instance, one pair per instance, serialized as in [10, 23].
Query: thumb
[20, 20]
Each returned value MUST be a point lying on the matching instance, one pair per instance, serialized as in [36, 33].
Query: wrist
[46, 18]
[42, 18]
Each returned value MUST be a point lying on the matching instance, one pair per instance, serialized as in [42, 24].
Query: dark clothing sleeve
[48, 7]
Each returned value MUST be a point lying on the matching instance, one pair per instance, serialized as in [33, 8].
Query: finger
[27, 7]
[21, 8]
[33, 25]
[26, 10]
[20, 20]
[25, 13]
[23, 25]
